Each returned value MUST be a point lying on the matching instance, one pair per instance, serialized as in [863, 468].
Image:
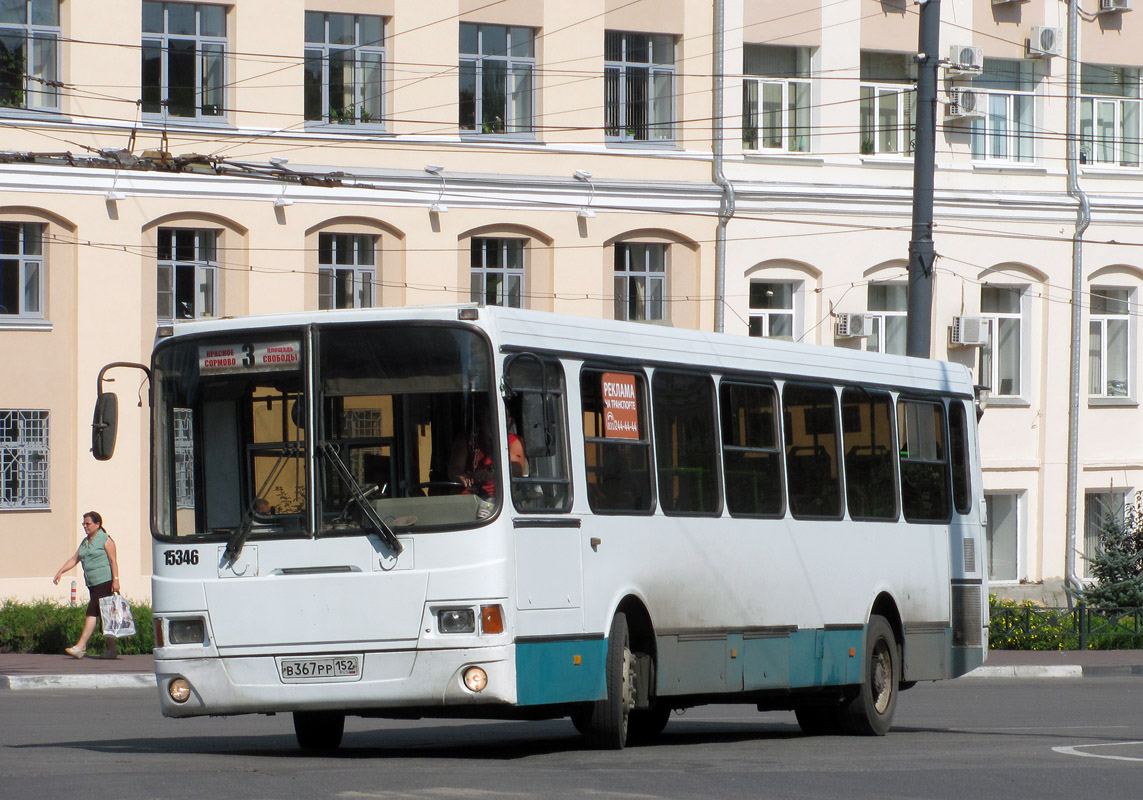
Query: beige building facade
[179, 160]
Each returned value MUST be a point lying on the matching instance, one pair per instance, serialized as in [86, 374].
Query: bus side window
[812, 470]
[686, 446]
[958, 449]
[537, 415]
[751, 458]
[924, 461]
[870, 475]
[616, 441]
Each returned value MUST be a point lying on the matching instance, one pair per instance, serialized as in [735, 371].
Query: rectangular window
[870, 476]
[1100, 509]
[752, 461]
[1109, 115]
[1003, 536]
[640, 280]
[639, 86]
[959, 451]
[184, 60]
[617, 442]
[1007, 131]
[344, 68]
[497, 277]
[497, 79]
[1109, 342]
[924, 461]
[21, 270]
[24, 459]
[772, 309]
[182, 426]
[686, 448]
[1000, 358]
[537, 416]
[776, 98]
[187, 278]
[29, 54]
[346, 270]
[888, 304]
[887, 111]
[813, 476]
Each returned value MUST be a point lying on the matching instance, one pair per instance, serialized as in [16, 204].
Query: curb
[1028, 671]
[121, 681]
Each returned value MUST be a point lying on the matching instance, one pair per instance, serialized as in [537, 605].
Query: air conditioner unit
[966, 60]
[964, 103]
[968, 332]
[1111, 6]
[1045, 42]
[850, 326]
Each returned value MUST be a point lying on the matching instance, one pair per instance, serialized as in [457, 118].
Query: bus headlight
[179, 690]
[456, 620]
[186, 631]
[475, 679]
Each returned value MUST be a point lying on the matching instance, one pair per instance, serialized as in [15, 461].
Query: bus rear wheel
[870, 711]
[604, 724]
[319, 730]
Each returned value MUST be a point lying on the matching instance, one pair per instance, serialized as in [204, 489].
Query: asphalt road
[980, 738]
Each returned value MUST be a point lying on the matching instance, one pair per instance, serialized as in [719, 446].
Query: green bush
[46, 626]
[1028, 626]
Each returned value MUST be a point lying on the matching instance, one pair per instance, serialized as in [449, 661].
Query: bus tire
[605, 725]
[319, 730]
[870, 711]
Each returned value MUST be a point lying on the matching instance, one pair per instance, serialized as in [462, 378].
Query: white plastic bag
[116, 614]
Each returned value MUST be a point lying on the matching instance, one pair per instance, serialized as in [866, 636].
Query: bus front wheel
[604, 723]
[870, 711]
[319, 730]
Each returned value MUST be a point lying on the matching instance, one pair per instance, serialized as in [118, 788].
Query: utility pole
[918, 328]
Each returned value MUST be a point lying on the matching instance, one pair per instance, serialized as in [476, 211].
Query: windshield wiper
[370, 513]
[238, 538]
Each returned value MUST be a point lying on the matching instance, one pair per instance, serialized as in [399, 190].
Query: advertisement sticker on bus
[223, 359]
[620, 405]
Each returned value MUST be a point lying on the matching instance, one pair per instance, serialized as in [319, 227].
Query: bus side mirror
[536, 428]
[104, 426]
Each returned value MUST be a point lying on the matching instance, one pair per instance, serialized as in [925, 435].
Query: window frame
[1122, 140]
[1016, 499]
[205, 272]
[789, 446]
[645, 440]
[879, 341]
[618, 84]
[909, 463]
[362, 275]
[775, 453]
[991, 377]
[519, 118]
[625, 299]
[322, 53]
[760, 318]
[795, 99]
[41, 78]
[203, 85]
[1018, 135]
[854, 475]
[670, 458]
[25, 459]
[507, 248]
[1099, 372]
[24, 263]
[875, 132]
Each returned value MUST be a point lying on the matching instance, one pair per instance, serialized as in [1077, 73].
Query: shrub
[47, 627]
[1117, 564]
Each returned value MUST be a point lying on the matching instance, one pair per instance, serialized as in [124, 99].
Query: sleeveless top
[93, 556]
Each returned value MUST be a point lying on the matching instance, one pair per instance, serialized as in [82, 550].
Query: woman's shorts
[97, 591]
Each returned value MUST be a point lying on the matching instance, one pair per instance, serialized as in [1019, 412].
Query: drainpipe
[726, 206]
[1083, 219]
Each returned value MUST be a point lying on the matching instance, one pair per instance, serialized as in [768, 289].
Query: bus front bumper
[395, 679]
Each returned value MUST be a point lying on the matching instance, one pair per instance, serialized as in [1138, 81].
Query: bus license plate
[331, 668]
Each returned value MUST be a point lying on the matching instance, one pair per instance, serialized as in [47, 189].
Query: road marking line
[1077, 750]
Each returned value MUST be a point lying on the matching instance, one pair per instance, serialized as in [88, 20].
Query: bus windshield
[403, 419]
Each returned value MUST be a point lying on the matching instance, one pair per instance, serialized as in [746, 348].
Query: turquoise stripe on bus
[547, 672]
[821, 657]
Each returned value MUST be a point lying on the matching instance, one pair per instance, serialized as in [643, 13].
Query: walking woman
[101, 573]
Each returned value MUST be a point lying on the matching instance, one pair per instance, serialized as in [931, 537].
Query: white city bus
[698, 518]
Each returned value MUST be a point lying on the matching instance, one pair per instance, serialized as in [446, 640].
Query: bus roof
[589, 338]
